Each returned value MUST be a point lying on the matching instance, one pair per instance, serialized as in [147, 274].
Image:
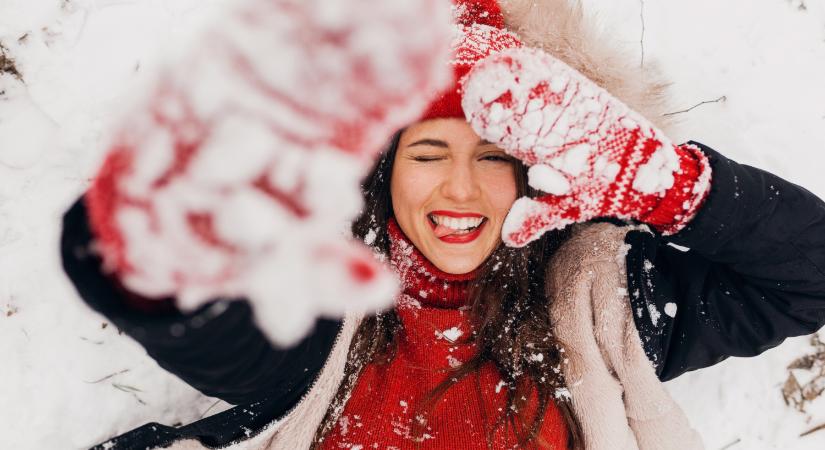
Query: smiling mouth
[450, 226]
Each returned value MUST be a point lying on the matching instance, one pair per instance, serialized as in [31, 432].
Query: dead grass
[7, 64]
[812, 366]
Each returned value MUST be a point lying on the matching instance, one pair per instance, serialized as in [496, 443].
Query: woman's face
[450, 193]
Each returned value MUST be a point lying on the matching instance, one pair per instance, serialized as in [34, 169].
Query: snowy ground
[80, 57]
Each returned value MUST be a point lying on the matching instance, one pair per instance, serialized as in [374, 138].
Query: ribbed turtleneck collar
[421, 280]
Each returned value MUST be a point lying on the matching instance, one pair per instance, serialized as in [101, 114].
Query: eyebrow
[443, 144]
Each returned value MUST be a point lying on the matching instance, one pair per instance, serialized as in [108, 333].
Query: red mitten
[591, 154]
[240, 174]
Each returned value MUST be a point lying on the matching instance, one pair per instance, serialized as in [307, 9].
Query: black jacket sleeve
[217, 349]
[754, 273]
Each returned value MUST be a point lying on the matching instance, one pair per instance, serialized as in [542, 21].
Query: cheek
[501, 190]
[409, 190]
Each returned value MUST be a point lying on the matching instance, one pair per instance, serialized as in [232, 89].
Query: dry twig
[799, 395]
[642, 38]
[720, 99]
[738, 440]
[209, 409]
[107, 377]
[129, 390]
[813, 430]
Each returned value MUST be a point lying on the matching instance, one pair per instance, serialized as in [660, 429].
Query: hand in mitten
[240, 173]
[590, 153]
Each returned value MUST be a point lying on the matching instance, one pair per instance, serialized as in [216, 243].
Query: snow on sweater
[385, 405]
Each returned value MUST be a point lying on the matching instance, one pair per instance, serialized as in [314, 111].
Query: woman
[471, 357]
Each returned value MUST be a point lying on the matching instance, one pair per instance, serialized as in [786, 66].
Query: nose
[461, 183]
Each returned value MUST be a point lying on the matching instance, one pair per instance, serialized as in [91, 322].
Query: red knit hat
[481, 32]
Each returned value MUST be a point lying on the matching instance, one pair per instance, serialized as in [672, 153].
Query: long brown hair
[509, 310]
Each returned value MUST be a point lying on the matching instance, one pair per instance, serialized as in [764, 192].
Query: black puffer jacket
[754, 275]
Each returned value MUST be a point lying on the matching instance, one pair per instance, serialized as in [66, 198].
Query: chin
[458, 269]
[458, 265]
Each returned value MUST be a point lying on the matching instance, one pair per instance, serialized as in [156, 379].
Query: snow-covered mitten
[239, 174]
[591, 154]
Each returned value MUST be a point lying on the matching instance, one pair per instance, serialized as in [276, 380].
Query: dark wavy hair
[509, 310]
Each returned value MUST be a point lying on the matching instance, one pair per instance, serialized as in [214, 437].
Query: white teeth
[455, 223]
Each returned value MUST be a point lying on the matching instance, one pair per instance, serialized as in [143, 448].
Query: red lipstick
[459, 238]
[454, 214]
[464, 238]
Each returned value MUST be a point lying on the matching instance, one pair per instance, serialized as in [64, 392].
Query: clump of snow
[655, 315]
[670, 309]
[370, 237]
[450, 334]
[563, 394]
[547, 179]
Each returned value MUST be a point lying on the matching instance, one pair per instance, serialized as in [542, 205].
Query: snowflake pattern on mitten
[591, 154]
[238, 176]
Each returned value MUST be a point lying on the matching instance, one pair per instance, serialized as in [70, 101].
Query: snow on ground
[79, 58]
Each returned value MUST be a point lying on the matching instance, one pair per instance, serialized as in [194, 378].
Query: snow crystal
[678, 247]
[563, 394]
[501, 384]
[654, 314]
[537, 357]
[670, 309]
[370, 237]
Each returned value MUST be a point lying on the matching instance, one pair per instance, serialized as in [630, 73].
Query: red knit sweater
[381, 411]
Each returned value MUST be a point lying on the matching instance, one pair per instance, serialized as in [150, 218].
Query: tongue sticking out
[441, 231]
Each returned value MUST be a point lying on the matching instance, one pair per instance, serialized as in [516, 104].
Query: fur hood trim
[561, 28]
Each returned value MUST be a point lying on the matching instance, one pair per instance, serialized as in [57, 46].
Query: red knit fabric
[383, 410]
[485, 12]
[680, 202]
[481, 34]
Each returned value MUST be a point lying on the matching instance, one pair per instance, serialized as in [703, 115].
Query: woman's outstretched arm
[754, 274]
[217, 349]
